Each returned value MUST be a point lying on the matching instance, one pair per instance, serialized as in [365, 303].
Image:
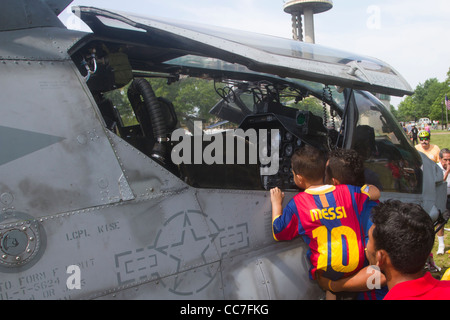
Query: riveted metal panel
[202, 283]
[161, 238]
[145, 176]
[242, 218]
[55, 154]
[244, 240]
[41, 44]
[275, 272]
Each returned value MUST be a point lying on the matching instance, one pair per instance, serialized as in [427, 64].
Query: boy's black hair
[347, 166]
[406, 232]
[309, 162]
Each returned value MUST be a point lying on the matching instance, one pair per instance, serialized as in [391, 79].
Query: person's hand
[322, 281]
[447, 172]
[276, 196]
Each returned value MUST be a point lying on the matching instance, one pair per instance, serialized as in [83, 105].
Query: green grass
[442, 261]
[441, 138]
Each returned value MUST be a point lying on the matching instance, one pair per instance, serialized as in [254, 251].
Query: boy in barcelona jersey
[333, 219]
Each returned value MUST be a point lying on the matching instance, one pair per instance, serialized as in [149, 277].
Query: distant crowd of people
[412, 130]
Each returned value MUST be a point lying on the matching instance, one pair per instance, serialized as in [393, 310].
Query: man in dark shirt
[414, 133]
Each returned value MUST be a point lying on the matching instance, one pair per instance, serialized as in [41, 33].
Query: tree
[438, 108]
[190, 96]
[406, 110]
[394, 111]
[426, 102]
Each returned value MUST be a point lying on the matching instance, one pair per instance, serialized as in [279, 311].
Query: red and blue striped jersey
[334, 221]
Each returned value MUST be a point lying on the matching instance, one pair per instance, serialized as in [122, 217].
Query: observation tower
[308, 8]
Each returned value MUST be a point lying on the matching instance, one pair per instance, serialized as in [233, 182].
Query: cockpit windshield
[212, 65]
[391, 163]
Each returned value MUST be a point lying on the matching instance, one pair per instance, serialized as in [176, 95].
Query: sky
[410, 35]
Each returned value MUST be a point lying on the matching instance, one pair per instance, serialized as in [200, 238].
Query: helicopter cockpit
[128, 60]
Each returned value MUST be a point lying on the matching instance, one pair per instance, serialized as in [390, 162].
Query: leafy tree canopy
[426, 102]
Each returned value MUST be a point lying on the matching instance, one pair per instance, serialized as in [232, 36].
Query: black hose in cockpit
[142, 88]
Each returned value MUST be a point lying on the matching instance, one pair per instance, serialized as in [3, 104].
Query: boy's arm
[373, 192]
[356, 283]
[276, 197]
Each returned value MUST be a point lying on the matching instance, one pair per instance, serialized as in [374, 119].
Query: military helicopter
[92, 208]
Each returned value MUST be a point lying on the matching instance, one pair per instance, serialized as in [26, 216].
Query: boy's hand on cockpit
[276, 195]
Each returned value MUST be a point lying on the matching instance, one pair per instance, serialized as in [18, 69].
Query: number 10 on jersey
[339, 237]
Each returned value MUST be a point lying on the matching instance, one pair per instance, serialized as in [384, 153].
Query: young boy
[328, 217]
[347, 167]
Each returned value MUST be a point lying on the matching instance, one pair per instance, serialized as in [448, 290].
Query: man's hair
[346, 166]
[406, 232]
[443, 151]
[309, 162]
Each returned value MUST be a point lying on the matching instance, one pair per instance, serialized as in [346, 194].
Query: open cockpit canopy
[168, 45]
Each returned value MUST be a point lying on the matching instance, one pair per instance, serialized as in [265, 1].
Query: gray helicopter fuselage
[88, 214]
[73, 193]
